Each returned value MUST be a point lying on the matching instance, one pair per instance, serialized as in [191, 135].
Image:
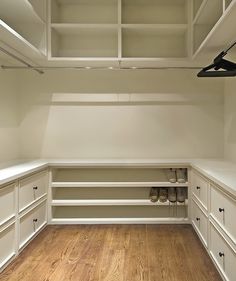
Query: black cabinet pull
[198, 219]
[35, 220]
[221, 210]
[221, 254]
[198, 187]
[35, 187]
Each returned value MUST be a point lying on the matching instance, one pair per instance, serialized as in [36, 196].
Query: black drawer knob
[198, 187]
[198, 219]
[221, 210]
[35, 187]
[35, 220]
[221, 254]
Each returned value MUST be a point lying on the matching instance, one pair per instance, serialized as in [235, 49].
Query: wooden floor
[113, 253]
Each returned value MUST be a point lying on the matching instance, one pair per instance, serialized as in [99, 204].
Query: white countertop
[219, 171]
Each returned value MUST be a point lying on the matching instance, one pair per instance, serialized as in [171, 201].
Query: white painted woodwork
[31, 189]
[200, 221]
[222, 210]
[7, 203]
[200, 189]
[31, 223]
[7, 244]
[225, 262]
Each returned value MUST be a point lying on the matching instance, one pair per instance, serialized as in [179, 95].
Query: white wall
[186, 122]
[9, 142]
[230, 119]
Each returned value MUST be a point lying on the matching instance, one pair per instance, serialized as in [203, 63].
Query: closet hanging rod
[101, 67]
[27, 65]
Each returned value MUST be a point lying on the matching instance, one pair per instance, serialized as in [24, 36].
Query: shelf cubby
[154, 11]
[196, 6]
[114, 212]
[208, 15]
[150, 42]
[72, 40]
[84, 11]
[28, 22]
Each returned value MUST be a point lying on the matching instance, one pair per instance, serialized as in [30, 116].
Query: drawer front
[200, 221]
[7, 203]
[31, 223]
[31, 189]
[7, 244]
[222, 210]
[200, 189]
[223, 255]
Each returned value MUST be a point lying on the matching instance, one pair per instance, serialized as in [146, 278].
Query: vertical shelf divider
[119, 29]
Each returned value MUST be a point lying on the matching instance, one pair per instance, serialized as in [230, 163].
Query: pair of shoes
[172, 194]
[158, 193]
[181, 194]
[177, 175]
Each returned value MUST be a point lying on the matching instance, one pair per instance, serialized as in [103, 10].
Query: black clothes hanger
[222, 67]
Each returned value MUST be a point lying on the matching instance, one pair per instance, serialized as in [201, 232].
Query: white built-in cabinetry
[213, 219]
[111, 195]
[118, 29]
[23, 213]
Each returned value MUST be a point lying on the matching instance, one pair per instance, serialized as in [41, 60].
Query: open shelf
[154, 11]
[84, 41]
[25, 23]
[113, 212]
[161, 41]
[84, 11]
[115, 202]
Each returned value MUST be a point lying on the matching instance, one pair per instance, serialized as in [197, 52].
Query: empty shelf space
[110, 176]
[154, 11]
[154, 43]
[115, 202]
[78, 41]
[84, 11]
[227, 3]
[76, 212]
[197, 5]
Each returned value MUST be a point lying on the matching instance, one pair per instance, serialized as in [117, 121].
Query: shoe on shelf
[181, 194]
[153, 195]
[181, 175]
[172, 194]
[171, 175]
[163, 195]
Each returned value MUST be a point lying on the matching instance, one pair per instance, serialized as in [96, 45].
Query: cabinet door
[200, 222]
[7, 244]
[31, 189]
[223, 254]
[223, 208]
[200, 188]
[31, 222]
[7, 203]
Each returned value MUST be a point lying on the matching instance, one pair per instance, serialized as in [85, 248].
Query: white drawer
[223, 210]
[223, 255]
[200, 222]
[31, 223]
[7, 203]
[200, 188]
[7, 244]
[31, 189]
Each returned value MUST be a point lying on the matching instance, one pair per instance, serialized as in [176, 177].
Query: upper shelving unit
[23, 25]
[212, 25]
[117, 29]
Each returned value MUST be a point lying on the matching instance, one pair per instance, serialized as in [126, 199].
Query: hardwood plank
[113, 253]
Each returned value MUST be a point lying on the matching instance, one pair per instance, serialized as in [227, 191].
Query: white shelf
[120, 221]
[84, 11]
[118, 184]
[215, 37]
[18, 42]
[154, 11]
[24, 23]
[115, 202]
